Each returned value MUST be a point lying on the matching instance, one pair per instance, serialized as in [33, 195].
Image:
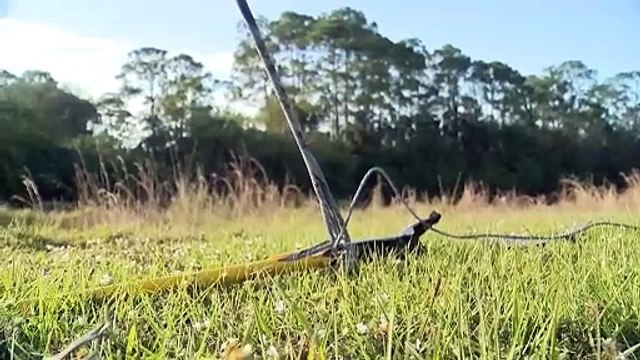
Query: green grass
[459, 300]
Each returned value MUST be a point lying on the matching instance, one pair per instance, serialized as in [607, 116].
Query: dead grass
[134, 198]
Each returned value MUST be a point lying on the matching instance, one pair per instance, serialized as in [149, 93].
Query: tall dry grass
[138, 195]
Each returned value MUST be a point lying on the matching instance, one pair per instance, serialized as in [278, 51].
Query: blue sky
[529, 35]
[4, 7]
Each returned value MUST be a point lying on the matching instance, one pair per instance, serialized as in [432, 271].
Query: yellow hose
[224, 275]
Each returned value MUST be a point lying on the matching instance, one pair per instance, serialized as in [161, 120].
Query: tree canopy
[429, 116]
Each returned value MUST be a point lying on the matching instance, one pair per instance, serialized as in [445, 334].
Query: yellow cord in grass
[224, 275]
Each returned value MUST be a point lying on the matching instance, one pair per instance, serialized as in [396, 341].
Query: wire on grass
[521, 238]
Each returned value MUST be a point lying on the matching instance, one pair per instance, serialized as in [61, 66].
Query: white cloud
[88, 64]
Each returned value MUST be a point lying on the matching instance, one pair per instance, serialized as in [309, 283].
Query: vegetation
[434, 118]
[185, 185]
[461, 299]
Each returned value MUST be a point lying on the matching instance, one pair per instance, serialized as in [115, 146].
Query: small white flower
[280, 307]
[81, 321]
[320, 332]
[384, 298]
[247, 350]
[361, 328]
[200, 325]
[272, 352]
[105, 279]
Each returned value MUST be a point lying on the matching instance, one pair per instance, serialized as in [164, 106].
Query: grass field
[459, 300]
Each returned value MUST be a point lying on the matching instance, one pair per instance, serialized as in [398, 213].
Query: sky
[83, 43]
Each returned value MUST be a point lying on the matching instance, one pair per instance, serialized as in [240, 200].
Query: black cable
[564, 236]
[522, 238]
[358, 192]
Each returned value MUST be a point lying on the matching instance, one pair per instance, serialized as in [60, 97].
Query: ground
[461, 299]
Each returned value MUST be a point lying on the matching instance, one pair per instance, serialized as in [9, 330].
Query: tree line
[431, 117]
